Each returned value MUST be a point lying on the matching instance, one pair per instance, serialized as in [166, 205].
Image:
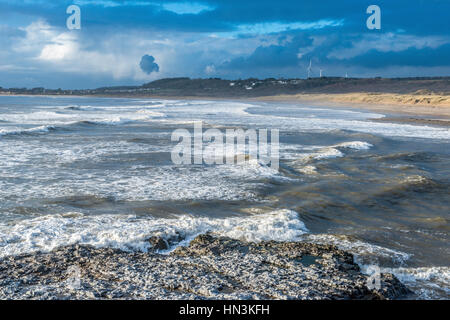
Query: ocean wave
[334, 152]
[151, 113]
[412, 183]
[291, 152]
[356, 145]
[64, 118]
[81, 108]
[309, 170]
[20, 131]
[131, 233]
[326, 153]
[111, 121]
[35, 117]
[114, 121]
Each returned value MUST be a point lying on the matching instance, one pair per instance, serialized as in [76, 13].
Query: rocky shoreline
[209, 268]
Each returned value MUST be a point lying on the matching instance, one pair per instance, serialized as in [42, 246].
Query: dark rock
[158, 243]
[210, 267]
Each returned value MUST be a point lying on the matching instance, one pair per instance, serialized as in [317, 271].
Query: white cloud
[53, 50]
[66, 51]
[63, 46]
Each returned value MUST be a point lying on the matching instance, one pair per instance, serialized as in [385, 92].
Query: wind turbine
[309, 69]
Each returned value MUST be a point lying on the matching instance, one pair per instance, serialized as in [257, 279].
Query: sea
[99, 171]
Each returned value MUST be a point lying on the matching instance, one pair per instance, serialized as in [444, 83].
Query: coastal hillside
[220, 88]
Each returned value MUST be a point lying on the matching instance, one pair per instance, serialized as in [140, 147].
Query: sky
[131, 42]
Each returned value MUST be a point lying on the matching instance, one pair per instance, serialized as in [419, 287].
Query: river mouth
[99, 172]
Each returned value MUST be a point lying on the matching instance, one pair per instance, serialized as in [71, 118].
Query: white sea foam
[139, 182]
[117, 120]
[362, 250]
[293, 152]
[130, 233]
[308, 170]
[61, 153]
[151, 113]
[16, 130]
[426, 282]
[34, 117]
[357, 145]
[108, 117]
[334, 152]
[334, 119]
[222, 182]
[327, 153]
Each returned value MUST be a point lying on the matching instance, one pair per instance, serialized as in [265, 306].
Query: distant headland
[252, 87]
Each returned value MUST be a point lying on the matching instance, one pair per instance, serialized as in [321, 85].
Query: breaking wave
[131, 233]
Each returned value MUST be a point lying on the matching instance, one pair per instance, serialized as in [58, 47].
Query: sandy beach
[428, 107]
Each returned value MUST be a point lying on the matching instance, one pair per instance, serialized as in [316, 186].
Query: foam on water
[138, 182]
[233, 112]
[116, 120]
[35, 117]
[107, 116]
[18, 131]
[363, 251]
[24, 151]
[326, 153]
[308, 170]
[293, 152]
[354, 121]
[151, 113]
[426, 282]
[357, 145]
[130, 233]
[223, 182]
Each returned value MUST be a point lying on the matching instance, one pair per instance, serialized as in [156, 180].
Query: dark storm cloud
[417, 16]
[148, 64]
[300, 50]
[272, 56]
[426, 57]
